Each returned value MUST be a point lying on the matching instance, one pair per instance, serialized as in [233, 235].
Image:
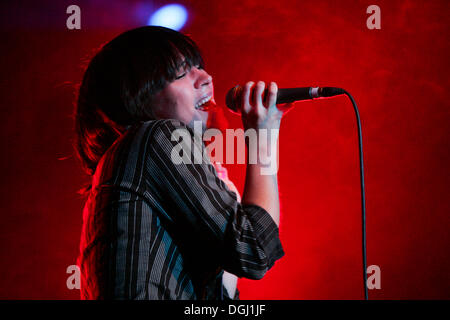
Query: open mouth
[205, 104]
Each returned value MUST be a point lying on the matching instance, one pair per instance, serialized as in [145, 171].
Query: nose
[202, 79]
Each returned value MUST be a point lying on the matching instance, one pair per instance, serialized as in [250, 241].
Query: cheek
[163, 108]
[183, 103]
[165, 105]
[185, 99]
[175, 102]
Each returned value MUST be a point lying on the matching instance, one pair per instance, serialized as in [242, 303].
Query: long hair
[119, 84]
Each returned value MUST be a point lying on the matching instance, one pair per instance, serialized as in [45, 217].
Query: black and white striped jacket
[156, 230]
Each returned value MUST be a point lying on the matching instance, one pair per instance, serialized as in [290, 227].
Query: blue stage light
[172, 16]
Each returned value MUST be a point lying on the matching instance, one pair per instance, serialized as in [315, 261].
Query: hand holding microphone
[238, 100]
[257, 105]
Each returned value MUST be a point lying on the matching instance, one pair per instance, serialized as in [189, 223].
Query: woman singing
[153, 229]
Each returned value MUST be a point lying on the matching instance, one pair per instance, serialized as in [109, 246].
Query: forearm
[262, 190]
[261, 182]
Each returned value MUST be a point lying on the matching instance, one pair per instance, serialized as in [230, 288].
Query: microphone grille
[232, 98]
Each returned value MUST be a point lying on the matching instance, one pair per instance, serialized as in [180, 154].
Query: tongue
[208, 105]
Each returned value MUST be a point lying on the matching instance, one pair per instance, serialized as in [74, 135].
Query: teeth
[203, 101]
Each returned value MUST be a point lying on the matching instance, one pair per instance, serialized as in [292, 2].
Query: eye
[183, 71]
[180, 76]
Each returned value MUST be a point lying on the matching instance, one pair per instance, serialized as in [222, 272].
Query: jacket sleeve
[245, 236]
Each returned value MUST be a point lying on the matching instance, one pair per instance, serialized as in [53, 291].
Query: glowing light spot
[171, 16]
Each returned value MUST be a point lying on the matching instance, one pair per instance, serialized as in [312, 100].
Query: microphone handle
[285, 95]
[298, 94]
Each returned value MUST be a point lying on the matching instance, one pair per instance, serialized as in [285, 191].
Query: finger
[245, 103]
[258, 100]
[272, 95]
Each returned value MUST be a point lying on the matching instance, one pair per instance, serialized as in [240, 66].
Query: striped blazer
[153, 229]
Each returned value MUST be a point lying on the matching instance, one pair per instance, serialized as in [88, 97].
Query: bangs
[153, 55]
[162, 52]
[180, 52]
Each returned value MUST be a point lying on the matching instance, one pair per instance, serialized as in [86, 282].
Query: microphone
[234, 96]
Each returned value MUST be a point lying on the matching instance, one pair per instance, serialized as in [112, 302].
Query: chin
[200, 116]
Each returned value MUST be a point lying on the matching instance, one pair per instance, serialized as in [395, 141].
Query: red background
[398, 76]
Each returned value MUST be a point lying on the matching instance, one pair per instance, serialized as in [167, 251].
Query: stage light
[172, 16]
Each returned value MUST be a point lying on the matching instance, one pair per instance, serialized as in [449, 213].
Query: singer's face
[187, 98]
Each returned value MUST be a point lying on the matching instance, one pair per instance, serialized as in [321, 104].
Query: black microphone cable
[363, 200]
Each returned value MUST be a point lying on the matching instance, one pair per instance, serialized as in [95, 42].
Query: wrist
[264, 152]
